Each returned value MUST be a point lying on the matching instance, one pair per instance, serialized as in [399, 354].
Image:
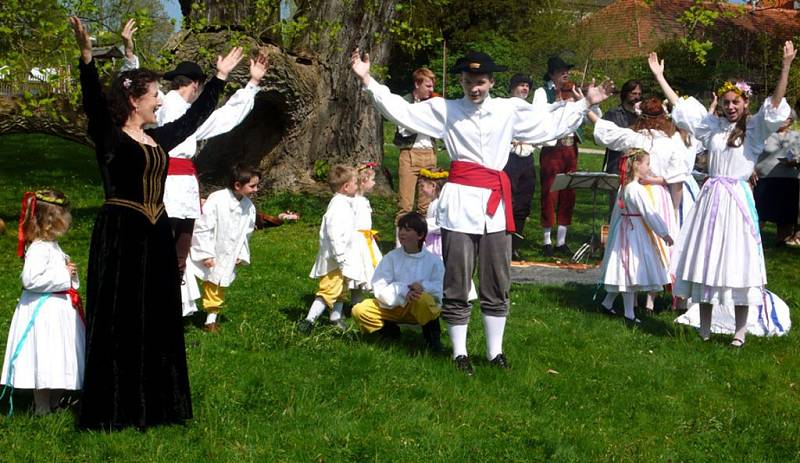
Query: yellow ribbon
[370, 235]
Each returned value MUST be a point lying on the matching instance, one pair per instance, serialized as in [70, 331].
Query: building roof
[630, 28]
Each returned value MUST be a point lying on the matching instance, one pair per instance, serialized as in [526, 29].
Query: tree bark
[311, 113]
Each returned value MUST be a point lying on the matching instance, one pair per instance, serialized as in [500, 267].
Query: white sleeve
[129, 64]
[616, 138]
[386, 289]
[767, 120]
[540, 97]
[168, 112]
[434, 281]
[690, 115]
[649, 213]
[44, 271]
[231, 114]
[244, 254]
[535, 124]
[205, 228]
[426, 117]
[340, 231]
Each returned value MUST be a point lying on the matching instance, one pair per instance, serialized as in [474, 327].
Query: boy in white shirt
[220, 238]
[407, 286]
[335, 241]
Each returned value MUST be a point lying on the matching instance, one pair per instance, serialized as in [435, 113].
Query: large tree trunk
[311, 113]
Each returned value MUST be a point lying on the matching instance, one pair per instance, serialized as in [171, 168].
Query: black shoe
[389, 332]
[463, 364]
[304, 327]
[515, 256]
[564, 250]
[432, 333]
[500, 362]
[547, 250]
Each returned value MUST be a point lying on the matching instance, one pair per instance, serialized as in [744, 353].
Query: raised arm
[780, 90]
[426, 118]
[657, 68]
[172, 134]
[130, 60]
[94, 102]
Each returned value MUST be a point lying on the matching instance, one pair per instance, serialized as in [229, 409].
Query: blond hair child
[45, 346]
[335, 240]
[364, 251]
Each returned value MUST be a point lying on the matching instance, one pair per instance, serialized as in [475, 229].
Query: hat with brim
[188, 69]
[555, 63]
[476, 62]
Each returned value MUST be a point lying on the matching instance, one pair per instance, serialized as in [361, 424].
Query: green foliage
[321, 169]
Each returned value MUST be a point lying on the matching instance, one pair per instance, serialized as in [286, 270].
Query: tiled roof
[628, 28]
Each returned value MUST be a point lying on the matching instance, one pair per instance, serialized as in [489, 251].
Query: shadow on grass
[580, 298]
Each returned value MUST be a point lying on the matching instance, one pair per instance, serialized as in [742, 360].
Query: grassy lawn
[583, 386]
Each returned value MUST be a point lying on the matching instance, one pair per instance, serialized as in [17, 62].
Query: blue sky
[173, 9]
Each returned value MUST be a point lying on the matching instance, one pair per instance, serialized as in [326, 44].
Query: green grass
[582, 388]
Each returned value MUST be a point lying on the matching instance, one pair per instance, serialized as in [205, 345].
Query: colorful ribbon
[27, 210]
[370, 235]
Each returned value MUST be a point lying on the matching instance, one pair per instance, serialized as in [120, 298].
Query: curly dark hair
[128, 84]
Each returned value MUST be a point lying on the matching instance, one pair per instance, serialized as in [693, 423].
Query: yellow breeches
[369, 315]
[332, 287]
[213, 297]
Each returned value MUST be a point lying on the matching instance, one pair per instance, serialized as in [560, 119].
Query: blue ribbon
[17, 351]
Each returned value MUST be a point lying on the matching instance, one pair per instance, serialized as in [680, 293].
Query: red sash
[75, 299]
[180, 166]
[472, 174]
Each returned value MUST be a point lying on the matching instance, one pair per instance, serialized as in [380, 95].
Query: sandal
[737, 343]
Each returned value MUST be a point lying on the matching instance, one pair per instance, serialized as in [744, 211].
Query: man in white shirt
[416, 150]
[474, 209]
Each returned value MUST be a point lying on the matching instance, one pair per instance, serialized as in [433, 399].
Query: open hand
[83, 38]
[598, 93]
[127, 36]
[73, 269]
[258, 68]
[360, 67]
[789, 53]
[228, 63]
[656, 66]
[712, 108]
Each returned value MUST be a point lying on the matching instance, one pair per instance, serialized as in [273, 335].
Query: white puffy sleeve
[205, 229]
[635, 200]
[690, 115]
[434, 280]
[231, 114]
[426, 117]
[616, 138]
[339, 225]
[45, 270]
[536, 124]
[767, 120]
[244, 253]
[389, 292]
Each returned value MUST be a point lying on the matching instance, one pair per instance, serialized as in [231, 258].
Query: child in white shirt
[408, 287]
[220, 238]
[332, 267]
[364, 251]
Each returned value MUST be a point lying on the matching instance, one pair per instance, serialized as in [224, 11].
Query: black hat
[517, 79]
[554, 63]
[188, 69]
[476, 62]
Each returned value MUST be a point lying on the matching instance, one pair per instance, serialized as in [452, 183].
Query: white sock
[740, 312]
[317, 307]
[494, 327]
[458, 336]
[211, 318]
[336, 312]
[608, 302]
[627, 302]
[546, 234]
[561, 235]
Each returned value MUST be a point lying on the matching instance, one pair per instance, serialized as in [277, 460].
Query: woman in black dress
[135, 356]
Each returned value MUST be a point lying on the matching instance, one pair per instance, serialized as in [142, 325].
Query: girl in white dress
[45, 346]
[430, 184]
[719, 258]
[364, 249]
[632, 262]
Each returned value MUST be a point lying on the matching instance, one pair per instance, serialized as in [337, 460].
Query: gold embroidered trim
[151, 211]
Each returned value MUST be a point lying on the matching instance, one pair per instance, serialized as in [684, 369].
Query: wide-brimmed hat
[188, 69]
[476, 62]
[554, 63]
[517, 79]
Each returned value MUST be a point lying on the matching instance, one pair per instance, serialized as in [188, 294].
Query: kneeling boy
[408, 287]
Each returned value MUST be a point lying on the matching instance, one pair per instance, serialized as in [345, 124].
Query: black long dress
[135, 355]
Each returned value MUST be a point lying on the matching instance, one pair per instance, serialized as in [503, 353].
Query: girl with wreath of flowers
[718, 257]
